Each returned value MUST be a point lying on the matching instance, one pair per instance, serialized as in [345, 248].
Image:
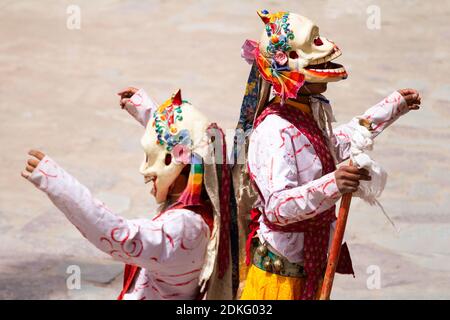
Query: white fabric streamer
[369, 191]
[361, 142]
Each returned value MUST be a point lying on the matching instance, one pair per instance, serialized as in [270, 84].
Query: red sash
[316, 230]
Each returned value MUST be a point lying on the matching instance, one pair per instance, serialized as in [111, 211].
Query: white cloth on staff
[362, 142]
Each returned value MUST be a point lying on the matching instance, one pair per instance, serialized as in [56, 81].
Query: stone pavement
[58, 88]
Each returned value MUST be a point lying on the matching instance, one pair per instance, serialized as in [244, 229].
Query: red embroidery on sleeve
[326, 184]
[48, 175]
[132, 248]
[179, 284]
[168, 236]
[184, 274]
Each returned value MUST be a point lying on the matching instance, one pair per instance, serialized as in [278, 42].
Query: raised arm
[141, 242]
[138, 104]
[382, 115]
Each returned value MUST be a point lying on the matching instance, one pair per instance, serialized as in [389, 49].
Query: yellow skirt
[262, 285]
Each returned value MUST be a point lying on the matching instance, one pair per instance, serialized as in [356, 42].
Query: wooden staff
[338, 235]
[336, 246]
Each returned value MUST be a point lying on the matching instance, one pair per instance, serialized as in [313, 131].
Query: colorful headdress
[165, 120]
[291, 52]
[273, 65]
[179, 132]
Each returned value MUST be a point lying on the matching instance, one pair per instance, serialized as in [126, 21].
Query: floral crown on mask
[165, 119]
[185, 146]
[274, 67]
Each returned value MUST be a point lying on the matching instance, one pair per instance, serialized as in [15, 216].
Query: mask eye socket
[318, 42]
[293, 55]
[168, 159]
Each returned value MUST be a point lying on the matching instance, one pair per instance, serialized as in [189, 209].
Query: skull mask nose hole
[293, 55]
[168, 159]
[318, 42]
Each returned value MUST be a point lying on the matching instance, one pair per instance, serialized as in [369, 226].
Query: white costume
[160, 247]
[288, 173]
[170, 249]
[292, 156]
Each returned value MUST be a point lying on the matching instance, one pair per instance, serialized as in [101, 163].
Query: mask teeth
[337, 71]
[335, 54]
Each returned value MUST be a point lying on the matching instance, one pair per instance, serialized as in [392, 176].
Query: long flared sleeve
[141, 107]
[382, 115]
[142, 242]
[288, 175]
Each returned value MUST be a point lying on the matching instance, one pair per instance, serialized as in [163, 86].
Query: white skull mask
[294, 40]
[175, 131]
